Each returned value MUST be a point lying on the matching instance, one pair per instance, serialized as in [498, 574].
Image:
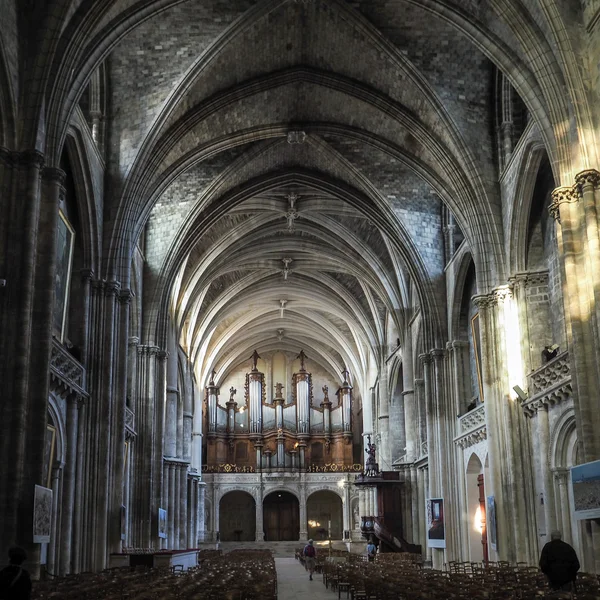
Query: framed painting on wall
[42, 515]
[65, 240]
[475, 332]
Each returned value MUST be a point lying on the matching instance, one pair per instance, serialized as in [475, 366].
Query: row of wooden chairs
[238, 575]
[399, 579]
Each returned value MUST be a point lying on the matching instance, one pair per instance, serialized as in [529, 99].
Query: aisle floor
[293, 582]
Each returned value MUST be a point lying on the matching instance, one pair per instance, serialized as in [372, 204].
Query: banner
[436, 531]
[490, 518]
[162, 523]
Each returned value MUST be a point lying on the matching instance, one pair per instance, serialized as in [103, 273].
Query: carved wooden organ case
[299, 433]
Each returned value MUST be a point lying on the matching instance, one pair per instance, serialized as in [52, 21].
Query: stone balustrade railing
[550, 384]
[471, 427]
[66, 372]
[129, 422]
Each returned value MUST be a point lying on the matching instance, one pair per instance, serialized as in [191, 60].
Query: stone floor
[293, 582]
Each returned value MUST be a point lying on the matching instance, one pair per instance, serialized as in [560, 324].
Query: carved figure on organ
[302, 358]
[278, 390]
[255, 358]
[325, 393]
[232, 393]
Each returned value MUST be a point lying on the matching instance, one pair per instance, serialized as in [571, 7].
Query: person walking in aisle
[310, 553]
[559, 563]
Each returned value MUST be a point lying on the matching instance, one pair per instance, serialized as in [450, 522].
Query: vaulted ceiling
[370, 114]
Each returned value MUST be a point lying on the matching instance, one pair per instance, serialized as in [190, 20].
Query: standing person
[559, 563]
[371, 550]
[310, 553]
[15, 582]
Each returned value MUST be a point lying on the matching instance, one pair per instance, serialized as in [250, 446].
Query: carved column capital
[588, 178]
[32, 158]
[437, 353]
[112, 288]
[125, 296]
[425, 358]
[483, 301]
[87, 275]
[54, 175]
[562, 195]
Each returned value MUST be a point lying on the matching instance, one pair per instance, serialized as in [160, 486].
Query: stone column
[69, 479]
[411, 431]
[172, 483]
[362, 503]
[260, 534]
[183, 506]
[416, 507]
[543, 441]
[303, 515]
[561, 477]
[201, 535]
[509, 465]
[166, 503]
[348, 525]
[54, 545]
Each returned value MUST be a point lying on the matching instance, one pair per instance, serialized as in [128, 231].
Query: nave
[262, 574]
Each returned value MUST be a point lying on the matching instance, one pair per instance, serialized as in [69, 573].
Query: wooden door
[281, 517]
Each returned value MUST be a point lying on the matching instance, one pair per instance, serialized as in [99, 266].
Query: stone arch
[466, 260]
[8, 129]
[237, 516]
[474, 473]
[519, 215]
[563, 441]
[76, 147]
[325, 505]
[55, 413]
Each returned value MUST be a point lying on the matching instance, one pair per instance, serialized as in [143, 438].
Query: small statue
[255, 358]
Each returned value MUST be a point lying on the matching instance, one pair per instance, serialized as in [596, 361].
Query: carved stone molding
[530, 279]
[472, 438]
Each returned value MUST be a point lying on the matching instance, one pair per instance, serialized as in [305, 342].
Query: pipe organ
[291, 432]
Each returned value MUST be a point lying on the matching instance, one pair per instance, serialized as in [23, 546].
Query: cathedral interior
[273, 270]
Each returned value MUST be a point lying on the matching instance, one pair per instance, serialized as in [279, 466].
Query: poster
[42, 515]
[65, 238]
[585, 480]
[491, 522]
[436, 532]
[162, 523]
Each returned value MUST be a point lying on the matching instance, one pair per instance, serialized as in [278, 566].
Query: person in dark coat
[559, 563]
[15, 582]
